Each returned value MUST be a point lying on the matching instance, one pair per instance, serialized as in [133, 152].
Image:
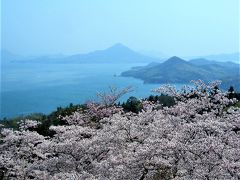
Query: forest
[192, 133]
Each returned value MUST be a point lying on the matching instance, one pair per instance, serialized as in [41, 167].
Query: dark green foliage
[232, 94]
[237, 104]
[164, 100]
[46, 120]
[14, 122]
[231, 89]
[67, 110]
[132, 104]
[53, 118]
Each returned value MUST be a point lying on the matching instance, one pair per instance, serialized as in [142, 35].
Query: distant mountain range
[173, 70]
[233, 57]
[9, 57]
[230, 57]
[177, 70]
[115, 54]
[118, 53]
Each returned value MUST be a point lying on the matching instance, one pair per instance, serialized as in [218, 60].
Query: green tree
[132, 104]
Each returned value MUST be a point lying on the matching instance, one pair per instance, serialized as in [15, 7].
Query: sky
[171, 27]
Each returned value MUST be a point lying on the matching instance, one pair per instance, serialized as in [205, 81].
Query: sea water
[29, 88]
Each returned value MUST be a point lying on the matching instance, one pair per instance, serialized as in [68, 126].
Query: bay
[30, 88]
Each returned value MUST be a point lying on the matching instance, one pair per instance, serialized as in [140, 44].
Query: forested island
[177, 70]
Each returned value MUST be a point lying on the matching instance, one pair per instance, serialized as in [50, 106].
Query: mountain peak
[175, 60]
[119, 46]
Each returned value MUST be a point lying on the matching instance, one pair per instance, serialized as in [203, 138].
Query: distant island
[117, 53]
[177, 70]
[223, 67]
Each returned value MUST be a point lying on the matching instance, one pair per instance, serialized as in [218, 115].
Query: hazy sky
[173, 27]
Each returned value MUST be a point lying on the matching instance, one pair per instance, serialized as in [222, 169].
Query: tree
[133, 105]
[231, 94]
[193, 139]
[110, 98]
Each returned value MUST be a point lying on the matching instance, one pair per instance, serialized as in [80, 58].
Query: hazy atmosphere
[58, 52]
[172, 27]
[120, 90]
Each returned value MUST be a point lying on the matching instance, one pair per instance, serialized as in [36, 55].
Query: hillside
[177, 70]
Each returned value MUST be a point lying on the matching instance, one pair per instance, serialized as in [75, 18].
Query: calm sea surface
[30, 88]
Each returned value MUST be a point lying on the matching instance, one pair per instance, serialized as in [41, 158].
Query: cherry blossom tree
[197, 138]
